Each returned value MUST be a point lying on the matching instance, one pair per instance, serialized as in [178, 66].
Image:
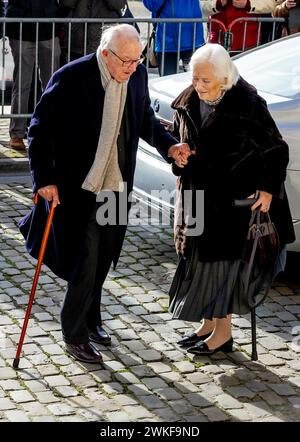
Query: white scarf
[105, 172]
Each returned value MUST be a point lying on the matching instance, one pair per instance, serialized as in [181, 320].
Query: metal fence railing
[64, 29]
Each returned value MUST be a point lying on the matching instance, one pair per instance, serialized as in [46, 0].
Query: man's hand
[241, 4]
[180, 153]
[264, 201]
[50, 193]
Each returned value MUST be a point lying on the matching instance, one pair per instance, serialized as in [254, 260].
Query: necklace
[215, 102]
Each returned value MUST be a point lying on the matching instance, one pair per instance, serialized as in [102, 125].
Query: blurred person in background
[229, 10]
[24, 56]
[191, 34]
[89, 9]
[283, 9]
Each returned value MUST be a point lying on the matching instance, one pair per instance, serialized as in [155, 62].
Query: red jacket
[227, 15]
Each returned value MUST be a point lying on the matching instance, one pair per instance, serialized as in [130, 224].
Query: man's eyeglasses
[128, 63]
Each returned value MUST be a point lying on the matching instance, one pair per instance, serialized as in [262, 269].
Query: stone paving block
[150, 355]
[151, 402]
[171, 376]
[270, 360]
[241, 391]
[161, 346]
[258, 409]
[228, 402]
[115, 324]
[137, 411]
[139, 389]
[118, 416]
[37, 386]
[126, 334]
[295, 401]
[159, 367]
[154, 383]
[114, 365]
[271, 398]
[20, 396]
[86, 380]
[72, 369]
[283, 389]
[184, 367]
[6, 404]
[7, 373]
[182, 407]
[238, 415]
[142, 371]
[123, 399]
[150, 336]
[113, 388]
[167, 414]
[295, 381]
[215, 415]
[11, 385]
[185, 387]
[198, 378]
[55, 381]
[61, 409]
[126, 378]
[16, 416]
[66, 391]
[256, 386]
[34, 409]
[168, 394]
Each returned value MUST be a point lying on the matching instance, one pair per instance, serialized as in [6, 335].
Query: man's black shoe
[84, 353]
[190, 340]
[100, 336]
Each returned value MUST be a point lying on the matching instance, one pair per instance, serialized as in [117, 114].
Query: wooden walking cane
[35, 281]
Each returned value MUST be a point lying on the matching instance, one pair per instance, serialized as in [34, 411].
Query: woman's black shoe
[201, 348]
[192, 339]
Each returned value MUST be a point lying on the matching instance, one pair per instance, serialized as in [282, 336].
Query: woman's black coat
[238, 150]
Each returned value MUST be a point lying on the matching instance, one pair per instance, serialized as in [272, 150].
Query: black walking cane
[253, 235]
[253, 335]
[35, 281]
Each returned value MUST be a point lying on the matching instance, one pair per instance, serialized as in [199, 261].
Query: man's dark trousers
[81, 308]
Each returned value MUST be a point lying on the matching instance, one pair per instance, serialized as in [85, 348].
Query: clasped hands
[180, 153]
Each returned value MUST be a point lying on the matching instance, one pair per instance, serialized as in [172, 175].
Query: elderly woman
[238, 151]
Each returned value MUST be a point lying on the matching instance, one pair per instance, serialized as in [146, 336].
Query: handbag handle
[255, 215]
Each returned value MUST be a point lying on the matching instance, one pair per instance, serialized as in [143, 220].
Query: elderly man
[83, 138]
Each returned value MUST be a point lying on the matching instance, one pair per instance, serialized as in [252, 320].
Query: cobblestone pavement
[145, 376]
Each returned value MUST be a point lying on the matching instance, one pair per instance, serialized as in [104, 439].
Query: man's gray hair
[218, 57]
[112, 33]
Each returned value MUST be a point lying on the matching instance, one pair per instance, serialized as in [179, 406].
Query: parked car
[274, 69]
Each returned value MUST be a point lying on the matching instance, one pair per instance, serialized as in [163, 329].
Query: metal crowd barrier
[225, 37]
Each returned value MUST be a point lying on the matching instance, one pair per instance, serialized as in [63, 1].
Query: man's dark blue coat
[63, 139]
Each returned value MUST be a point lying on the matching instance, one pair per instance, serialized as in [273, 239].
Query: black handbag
[262, 242]
[260, 252]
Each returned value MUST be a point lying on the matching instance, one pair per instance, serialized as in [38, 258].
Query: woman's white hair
[111, 34]
[218, 57]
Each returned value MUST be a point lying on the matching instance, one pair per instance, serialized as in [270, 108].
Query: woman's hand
[264, 201]
[180, 153]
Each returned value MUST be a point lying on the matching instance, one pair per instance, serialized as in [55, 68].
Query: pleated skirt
[207, 290]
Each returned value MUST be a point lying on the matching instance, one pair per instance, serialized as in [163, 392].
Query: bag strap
[256, 214]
